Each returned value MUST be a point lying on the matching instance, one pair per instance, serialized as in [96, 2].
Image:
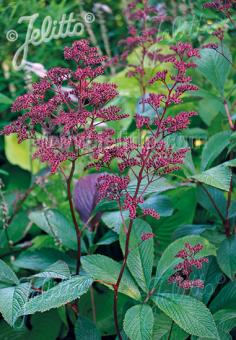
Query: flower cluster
[184, 269]
[143, 22]
[154, 157]
[219, 5]
[223, 6]
[62, 128]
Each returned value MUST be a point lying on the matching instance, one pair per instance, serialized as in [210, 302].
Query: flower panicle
[184, 269]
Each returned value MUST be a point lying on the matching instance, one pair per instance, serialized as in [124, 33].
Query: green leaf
[20, 154]
[113, 219]
[160, 203]
[168, 260]
[12, 301]
[108, 238]
[215, 66]
[5, 100]
[158, 186]
[103, 300]
[163, 326]
[138, 322]
[225, 320]
[190, 314]
[41, 259]
[57, 225]
[192, 229]
[86, 330]
[211, 275]
[7, 275]
[226, 257]
[218, 177]
[213, 148]
[141, 255]
[184, 203]
[226, 298]
[58, 270]
[209, 108]
[106, 270]
[59, 295]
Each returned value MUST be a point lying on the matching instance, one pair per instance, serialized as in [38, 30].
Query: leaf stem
[72, 210]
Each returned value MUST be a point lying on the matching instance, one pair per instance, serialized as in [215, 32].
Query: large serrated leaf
[213, 148]
[59, 295]
[106, 271]
[226, 298]
[189, 314]
[58, 270]
[226, 257]
[217, 177]
[138, 322]
[141, 255]
[12, 300]
[215, 66]
[56, 225]
[7, 275]
[168, 260]
[86, 330]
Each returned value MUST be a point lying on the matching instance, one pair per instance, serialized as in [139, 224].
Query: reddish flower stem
[117, 284]
[72, 210]
[228, 115]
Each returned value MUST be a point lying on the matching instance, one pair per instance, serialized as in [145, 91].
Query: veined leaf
[141, 255]
[59, 295]
[214, 147]
[226, 257]
[226, 298]
[106, 271]
[190, 314]
[12, 300]
[7, 275]
[168, 260]
[215, 66]
[58, 270]
[86, 330]
[56, 225]
[160, 203]
[138, 322]
[218, 177]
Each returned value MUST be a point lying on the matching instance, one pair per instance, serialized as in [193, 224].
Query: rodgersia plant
[155, 157]
[64, 129]
[66, 126]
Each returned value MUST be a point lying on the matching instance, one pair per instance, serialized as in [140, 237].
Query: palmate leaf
[168, 260]
[138, 322]
[61, 294]
[188, 313]
[7, 275]
[226, 257]
[12, 300]
[106, 270]
[86, 330]
[141, 255]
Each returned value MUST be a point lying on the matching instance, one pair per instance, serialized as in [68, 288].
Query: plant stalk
[72, 211]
